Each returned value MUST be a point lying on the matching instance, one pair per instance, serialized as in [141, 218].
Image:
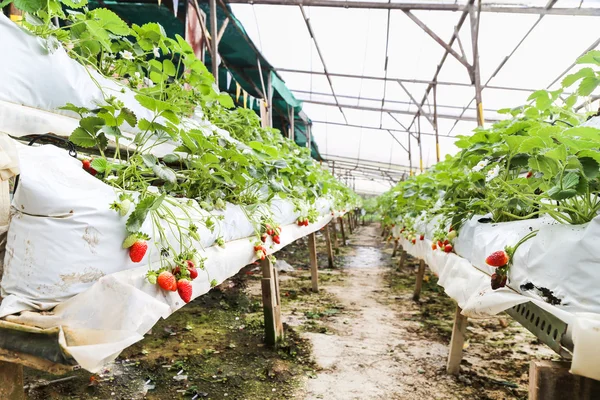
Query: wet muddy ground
[360, 337]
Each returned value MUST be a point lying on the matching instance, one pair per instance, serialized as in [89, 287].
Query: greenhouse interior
[299, 199]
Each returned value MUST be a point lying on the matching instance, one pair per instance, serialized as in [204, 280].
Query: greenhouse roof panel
[521, 49]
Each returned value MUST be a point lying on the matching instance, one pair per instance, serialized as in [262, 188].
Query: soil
[360, 337]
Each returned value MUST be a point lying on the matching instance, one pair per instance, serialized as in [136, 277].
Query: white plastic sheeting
[540, 261]
[64, 255]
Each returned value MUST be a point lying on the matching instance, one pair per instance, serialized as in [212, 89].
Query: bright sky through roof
[353, 42]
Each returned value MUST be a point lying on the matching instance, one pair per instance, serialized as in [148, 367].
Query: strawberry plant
[221, 155]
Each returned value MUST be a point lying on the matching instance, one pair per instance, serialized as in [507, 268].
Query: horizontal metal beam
[494, 8]
[378, 109]
[377, 171]
[367, 163]
[375, 128]
[403, 80]
[404, 103]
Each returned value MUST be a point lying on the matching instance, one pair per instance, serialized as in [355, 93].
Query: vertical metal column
[476, 77]
[435, 124]
[214, 44]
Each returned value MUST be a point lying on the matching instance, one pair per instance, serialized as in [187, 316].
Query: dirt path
[381, 348]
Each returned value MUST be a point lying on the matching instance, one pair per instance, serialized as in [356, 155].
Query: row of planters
[520, 200]
[174, 189]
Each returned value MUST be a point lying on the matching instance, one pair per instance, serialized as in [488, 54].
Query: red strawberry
[529, 174]
[269, 230]
[446, 242]
[422, 237]
[300, 222]
[440, 244]
[87, 165]
[184, 288]
[138, 250]
[258, 247]
[191, 267]
[264, 237]
[414, 241]
[276, 239]
[433, 246]
[448, 248]
[497, 259]
[167, 281]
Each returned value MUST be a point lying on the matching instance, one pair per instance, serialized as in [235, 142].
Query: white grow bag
[561, 258]
[64, 254]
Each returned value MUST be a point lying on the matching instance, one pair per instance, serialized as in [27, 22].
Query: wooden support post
[314, 267]
[11, 381]
[419, 282]
[271, 303]
[456, 343]
[395, 248]
[342, 229]
[402, 259]
[551, 380]
[334, 233]
[349, 224]
[329, 247]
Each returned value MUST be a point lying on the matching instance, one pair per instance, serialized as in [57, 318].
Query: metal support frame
[389, 110]
[402, 103]
[438, 39]
[474, 19]
[453, 7]
[312, 35]
[403, 80]
[214, 41]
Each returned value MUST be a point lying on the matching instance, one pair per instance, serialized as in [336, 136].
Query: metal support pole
[474, 19]
[410, 171]
[292, 132]
[270, 99]
[435, 124]
[420, 146]
[308, 135]
[314, 267]
[213, 40]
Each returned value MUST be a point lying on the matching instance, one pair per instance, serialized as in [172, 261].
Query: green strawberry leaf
[164, 173]
[81, 137]
[100, 164]
[138, 216]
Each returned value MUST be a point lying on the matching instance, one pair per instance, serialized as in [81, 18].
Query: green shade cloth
[239, 55]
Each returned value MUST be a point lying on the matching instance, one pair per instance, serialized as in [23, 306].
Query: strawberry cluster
[178, 278]
[274, 232]
[260, 251]
[303, 221]
[444, 241]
